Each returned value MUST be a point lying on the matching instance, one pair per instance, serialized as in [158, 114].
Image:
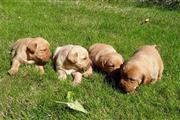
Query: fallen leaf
[74, 105]
[77, 106]
[70, 96]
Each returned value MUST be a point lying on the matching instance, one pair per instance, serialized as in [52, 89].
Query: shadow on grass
[165, 6]
[114, 81]
[175, 6]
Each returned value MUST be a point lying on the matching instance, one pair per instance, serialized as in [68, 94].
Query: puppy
[105, 58]
[145, 66]
[72, 59]
[29, 51]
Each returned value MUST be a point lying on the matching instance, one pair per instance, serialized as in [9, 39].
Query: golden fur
[145, 66]
[72, 59]
[29, 51]
[105, 57]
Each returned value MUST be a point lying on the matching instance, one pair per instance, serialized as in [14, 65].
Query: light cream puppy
[72, 59]
[30, 51]
[145, 66]
[105, 57]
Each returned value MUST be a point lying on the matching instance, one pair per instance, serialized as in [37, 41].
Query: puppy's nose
[123, 87]
[47, 57]
[89, 64]
[50, 54]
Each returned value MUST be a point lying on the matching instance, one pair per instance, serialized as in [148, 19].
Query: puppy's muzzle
[43, 59]
[123, 85]
[48, 56]
[86, 67]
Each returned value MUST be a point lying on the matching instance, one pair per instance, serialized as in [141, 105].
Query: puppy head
[39, 48]
[79, 58]
[112, 62]
[131, 77]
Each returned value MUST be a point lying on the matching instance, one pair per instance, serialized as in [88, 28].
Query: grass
[28, 95]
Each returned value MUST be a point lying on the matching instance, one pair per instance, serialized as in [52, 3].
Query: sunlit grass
[28, 95]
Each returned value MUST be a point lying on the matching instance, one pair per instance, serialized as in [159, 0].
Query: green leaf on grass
[70, 96]
[75, 105]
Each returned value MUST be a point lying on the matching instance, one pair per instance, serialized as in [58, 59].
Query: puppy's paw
[88, 72]
[12, 71]
[41, 69]
[154, 81]
[62, 77]
[41, 72]
[75, 83]
[29, 61]
[77, 78]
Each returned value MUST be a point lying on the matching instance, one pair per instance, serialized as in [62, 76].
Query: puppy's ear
[32, 47]
[145, 79]
[73, 57]
[122, 68]
[103, 61]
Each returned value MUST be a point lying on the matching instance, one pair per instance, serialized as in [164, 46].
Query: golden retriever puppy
[29, 51]
[72, 59]
[105, 58]
[145, 66]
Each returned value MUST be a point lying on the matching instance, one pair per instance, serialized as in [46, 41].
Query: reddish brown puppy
[145, 66]
[30, 51]
[105, 58]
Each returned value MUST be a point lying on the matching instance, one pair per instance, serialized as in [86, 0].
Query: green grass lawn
[28, 95]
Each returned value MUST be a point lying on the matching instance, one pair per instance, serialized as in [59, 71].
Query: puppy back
[55, 56]
[20, 45]
[56, 52]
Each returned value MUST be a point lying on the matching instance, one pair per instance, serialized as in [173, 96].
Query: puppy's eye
[85, 58]
[43, 49]
[110, 65]
[131, 79]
